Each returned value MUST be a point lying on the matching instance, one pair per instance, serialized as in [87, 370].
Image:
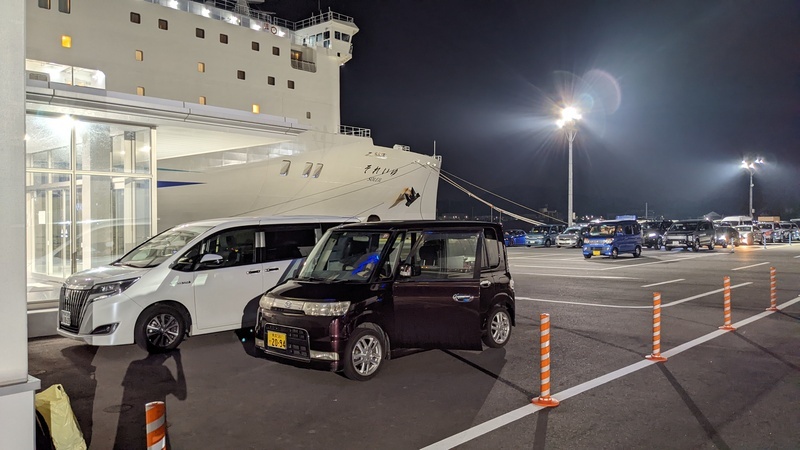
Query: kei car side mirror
[408, 270]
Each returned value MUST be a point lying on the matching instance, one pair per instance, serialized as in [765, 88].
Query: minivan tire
[547, 243]
[498, 327]
[167, 328]
[614, 253]
[364, 353]
[696, 245]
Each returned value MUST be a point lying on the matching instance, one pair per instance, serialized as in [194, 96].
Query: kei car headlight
[325, 308]
[104, 290]
[651, 235]
[266, 301]
[608, 240]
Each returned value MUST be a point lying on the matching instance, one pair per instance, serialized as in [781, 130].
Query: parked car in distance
[770, 230]
[653, 232]
[572, 236]
[612, 237]
[690, 234]
[518, 237]
[410, 284]
[736, 220]
[750, 234]
[726, 235]
[789, 230]
[508, 240]
[543, 235]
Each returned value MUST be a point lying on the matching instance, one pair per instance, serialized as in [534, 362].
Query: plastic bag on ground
[53, 404]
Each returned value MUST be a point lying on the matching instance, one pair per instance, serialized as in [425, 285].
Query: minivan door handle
[486, 283]
[250, 272]
[462, 298]
[272, 269]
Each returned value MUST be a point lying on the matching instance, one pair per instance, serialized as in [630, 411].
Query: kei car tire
[547, 243]
[725, 244]
[659, 244]
[587, 256]
[668, 248]
[614, 253]
[498, 327]
[364, 353]
[696, 245]
[160, 329]
[637, 252]
[711, 245]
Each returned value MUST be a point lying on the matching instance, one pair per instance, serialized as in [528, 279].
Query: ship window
[201, 67]
[64, 5]
[223, 38]
[317, 171]
[307, 169]
[337, 35]
[139, 55]
[319, 37]
[44, 4]
[308, 114]
[240, 74]
[291, 84]
[297, 55]
[66, 41]
[163, 24]
[326, 43]
[285, 167]
[139, 90]
[199, 32]
[345, 37]
[255, 46]
[327, 35]
[256, 108]
[136, 17]
[271, 81]
[202, 100]
[276, 51]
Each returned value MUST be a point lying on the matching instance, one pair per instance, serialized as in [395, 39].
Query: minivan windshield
[159, 248]
[602, 229]
[684, 226]
[572, 230]
[540, 230]
[345, 255]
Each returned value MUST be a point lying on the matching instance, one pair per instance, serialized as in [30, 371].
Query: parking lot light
[569, 122]
[750, 166]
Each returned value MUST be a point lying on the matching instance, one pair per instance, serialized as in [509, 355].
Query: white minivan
[196, 278]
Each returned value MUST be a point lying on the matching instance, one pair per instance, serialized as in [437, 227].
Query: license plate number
[596, 252]
[276, 340]
[66, 317]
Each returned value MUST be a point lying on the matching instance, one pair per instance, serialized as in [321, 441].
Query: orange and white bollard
[773, 290]
[156, 415]
[544, 398]
[726, 284]
[656, 355]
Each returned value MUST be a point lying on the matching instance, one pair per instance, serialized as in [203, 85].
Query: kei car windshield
[159, 248]
[573, 230]
[602, 230]
[343, 255]
[684, 226]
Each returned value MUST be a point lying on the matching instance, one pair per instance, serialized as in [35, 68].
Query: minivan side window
[289, 243]
[491, 254]
[236, 246]
[447, 255]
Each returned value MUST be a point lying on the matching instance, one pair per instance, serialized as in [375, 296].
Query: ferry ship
[229, 111]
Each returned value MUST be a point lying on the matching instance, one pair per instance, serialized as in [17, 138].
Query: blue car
[612, 237]
[514, 237]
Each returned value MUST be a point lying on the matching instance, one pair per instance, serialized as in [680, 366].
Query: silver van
[196, 278]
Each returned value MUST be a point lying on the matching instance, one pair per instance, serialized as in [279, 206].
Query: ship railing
[355, 131]
[239, 13]
[307, 66]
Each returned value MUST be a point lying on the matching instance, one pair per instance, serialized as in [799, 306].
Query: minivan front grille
[74, 301]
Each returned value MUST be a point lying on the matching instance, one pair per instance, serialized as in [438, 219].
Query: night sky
[674, 95]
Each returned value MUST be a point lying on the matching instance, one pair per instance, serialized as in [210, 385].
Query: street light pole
[751, 193]
[569, 122]
[750, 166]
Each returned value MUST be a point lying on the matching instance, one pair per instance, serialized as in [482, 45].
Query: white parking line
[753, 265]
[617, 267]
[666, 305]
[798, 256]
[512, 416]
[664, 282]
[599, 277]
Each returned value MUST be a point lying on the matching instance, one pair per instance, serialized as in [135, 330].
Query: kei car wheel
[637, 252]
[614, 253]
[160, 329]
[659, 243]
[587, 256]
[711, 245]
[547, 243]
[580, 242]
[668, 248]
[498, 328]
[724, 244]
[696, 245]
[364, 354]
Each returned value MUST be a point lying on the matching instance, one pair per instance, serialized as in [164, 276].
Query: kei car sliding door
[438, 306]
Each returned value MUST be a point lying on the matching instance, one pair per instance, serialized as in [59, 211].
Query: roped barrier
[544, 398]
[656, 355]
[156, 416]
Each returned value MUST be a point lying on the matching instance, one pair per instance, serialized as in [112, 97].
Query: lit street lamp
[569, 122]
[750, 166]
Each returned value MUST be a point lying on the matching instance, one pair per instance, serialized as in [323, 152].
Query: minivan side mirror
[211, 259]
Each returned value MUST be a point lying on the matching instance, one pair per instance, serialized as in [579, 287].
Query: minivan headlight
[326, 308]
[110, 289]
[609, 240]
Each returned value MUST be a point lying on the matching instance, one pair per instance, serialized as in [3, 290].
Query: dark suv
[690, 234]
[369, 288]
[653, 232]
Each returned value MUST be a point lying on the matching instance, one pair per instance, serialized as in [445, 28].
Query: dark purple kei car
[369, 288]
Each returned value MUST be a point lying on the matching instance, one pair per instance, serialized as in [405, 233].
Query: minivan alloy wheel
[162, 330]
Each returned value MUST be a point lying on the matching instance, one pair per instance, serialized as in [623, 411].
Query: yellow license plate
[277, 340]
[596, 252]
